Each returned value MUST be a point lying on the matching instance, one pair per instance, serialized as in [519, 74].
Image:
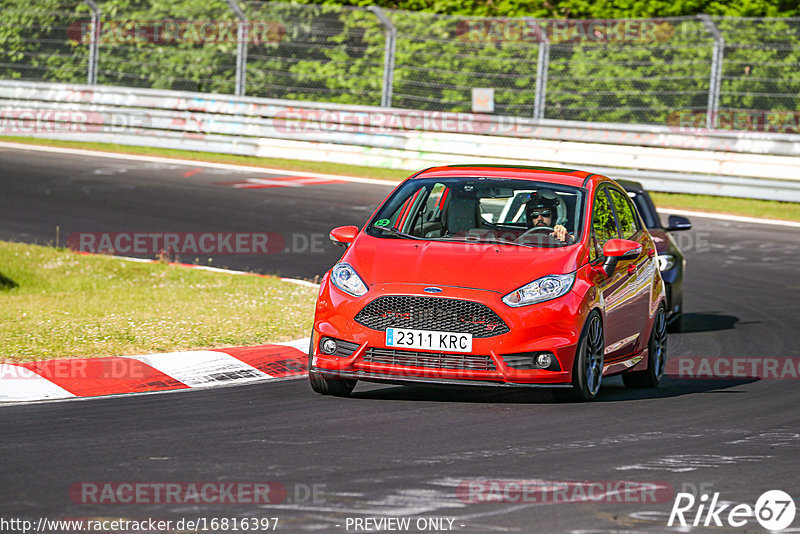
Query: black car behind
[671, 260]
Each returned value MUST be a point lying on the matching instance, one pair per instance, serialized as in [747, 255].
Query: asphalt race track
[42, 191]
[393, 452]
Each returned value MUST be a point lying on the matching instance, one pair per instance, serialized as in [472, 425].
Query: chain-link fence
[698, 72]
[35, 42]
[313, 52]
[633, 71]
[439, 60]
[190, 47]
[761, 64]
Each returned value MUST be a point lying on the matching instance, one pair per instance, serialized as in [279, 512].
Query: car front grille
[407, 358]
[432, 313]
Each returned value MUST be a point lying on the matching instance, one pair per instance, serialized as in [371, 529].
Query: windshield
[490, 210]
[647, 213]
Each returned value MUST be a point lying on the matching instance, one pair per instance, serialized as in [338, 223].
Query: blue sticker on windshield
[383, 222]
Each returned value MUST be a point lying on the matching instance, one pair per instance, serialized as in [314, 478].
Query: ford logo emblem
[432, 290]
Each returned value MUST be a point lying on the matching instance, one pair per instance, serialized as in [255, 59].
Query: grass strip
[768, 209]
[55, 303]
[764, 209]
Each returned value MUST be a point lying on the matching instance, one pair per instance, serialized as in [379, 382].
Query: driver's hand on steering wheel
[559, 232]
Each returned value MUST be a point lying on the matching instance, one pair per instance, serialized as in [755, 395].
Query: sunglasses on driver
[533, 214]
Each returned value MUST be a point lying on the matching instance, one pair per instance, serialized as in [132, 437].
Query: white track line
[353, 179]
[187, 162]
[297, 281]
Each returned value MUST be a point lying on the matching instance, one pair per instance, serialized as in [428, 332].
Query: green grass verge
[55, 303]
[789, 211]
[765, 209]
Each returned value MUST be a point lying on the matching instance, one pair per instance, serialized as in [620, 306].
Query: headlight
[666, 262]
[345, 278]
[545, 288]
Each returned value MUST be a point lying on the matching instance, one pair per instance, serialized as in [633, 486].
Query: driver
[540, 211]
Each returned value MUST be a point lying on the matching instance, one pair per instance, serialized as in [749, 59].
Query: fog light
[327, 345]
[544, 360]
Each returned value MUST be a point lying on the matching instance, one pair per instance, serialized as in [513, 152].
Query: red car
[497, 276]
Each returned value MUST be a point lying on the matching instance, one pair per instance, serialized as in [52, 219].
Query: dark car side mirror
[676, 223]
[342, 236]
[616, 250]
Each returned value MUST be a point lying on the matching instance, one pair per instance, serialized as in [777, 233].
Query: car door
[641, 269]
[621, 322]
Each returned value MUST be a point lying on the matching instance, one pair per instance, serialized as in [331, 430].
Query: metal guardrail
[751, 165]
[723, 73]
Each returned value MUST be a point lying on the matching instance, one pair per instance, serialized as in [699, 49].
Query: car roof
[570, 177]
[630, 185]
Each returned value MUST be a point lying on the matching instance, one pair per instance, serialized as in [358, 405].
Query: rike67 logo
[774, 510]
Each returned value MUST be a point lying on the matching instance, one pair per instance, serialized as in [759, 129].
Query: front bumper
[395, 379]
[552, 326]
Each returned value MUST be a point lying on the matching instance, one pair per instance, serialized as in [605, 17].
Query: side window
[403, 217]
[427, 221]
[605, 227]
[435, 203]
[627, 218]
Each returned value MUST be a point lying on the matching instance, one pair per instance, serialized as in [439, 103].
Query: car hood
[500, 268]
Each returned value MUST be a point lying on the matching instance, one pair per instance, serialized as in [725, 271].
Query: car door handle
[631, 268]
[651, 252]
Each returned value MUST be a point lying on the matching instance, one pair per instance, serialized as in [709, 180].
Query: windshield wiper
[488, 240]
[395, 231]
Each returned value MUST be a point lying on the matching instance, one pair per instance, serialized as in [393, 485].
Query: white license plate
[428, 340]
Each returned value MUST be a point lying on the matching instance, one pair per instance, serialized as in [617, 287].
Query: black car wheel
[676, 322]
[656, 356]
[587, 370]
[327, 385]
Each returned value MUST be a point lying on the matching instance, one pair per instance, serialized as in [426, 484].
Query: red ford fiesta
[496, 276]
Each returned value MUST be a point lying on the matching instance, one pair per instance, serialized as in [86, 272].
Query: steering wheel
[548, 229]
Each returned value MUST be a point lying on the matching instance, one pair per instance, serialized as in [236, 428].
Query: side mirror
[343, 235]
[619, 249]
[676, 223]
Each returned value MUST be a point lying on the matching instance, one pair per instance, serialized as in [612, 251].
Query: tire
[324, 385]
[587, 369]
[656, 356]
[675, 325]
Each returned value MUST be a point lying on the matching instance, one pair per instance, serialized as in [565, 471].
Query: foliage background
[588, 9]
[333, 52]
